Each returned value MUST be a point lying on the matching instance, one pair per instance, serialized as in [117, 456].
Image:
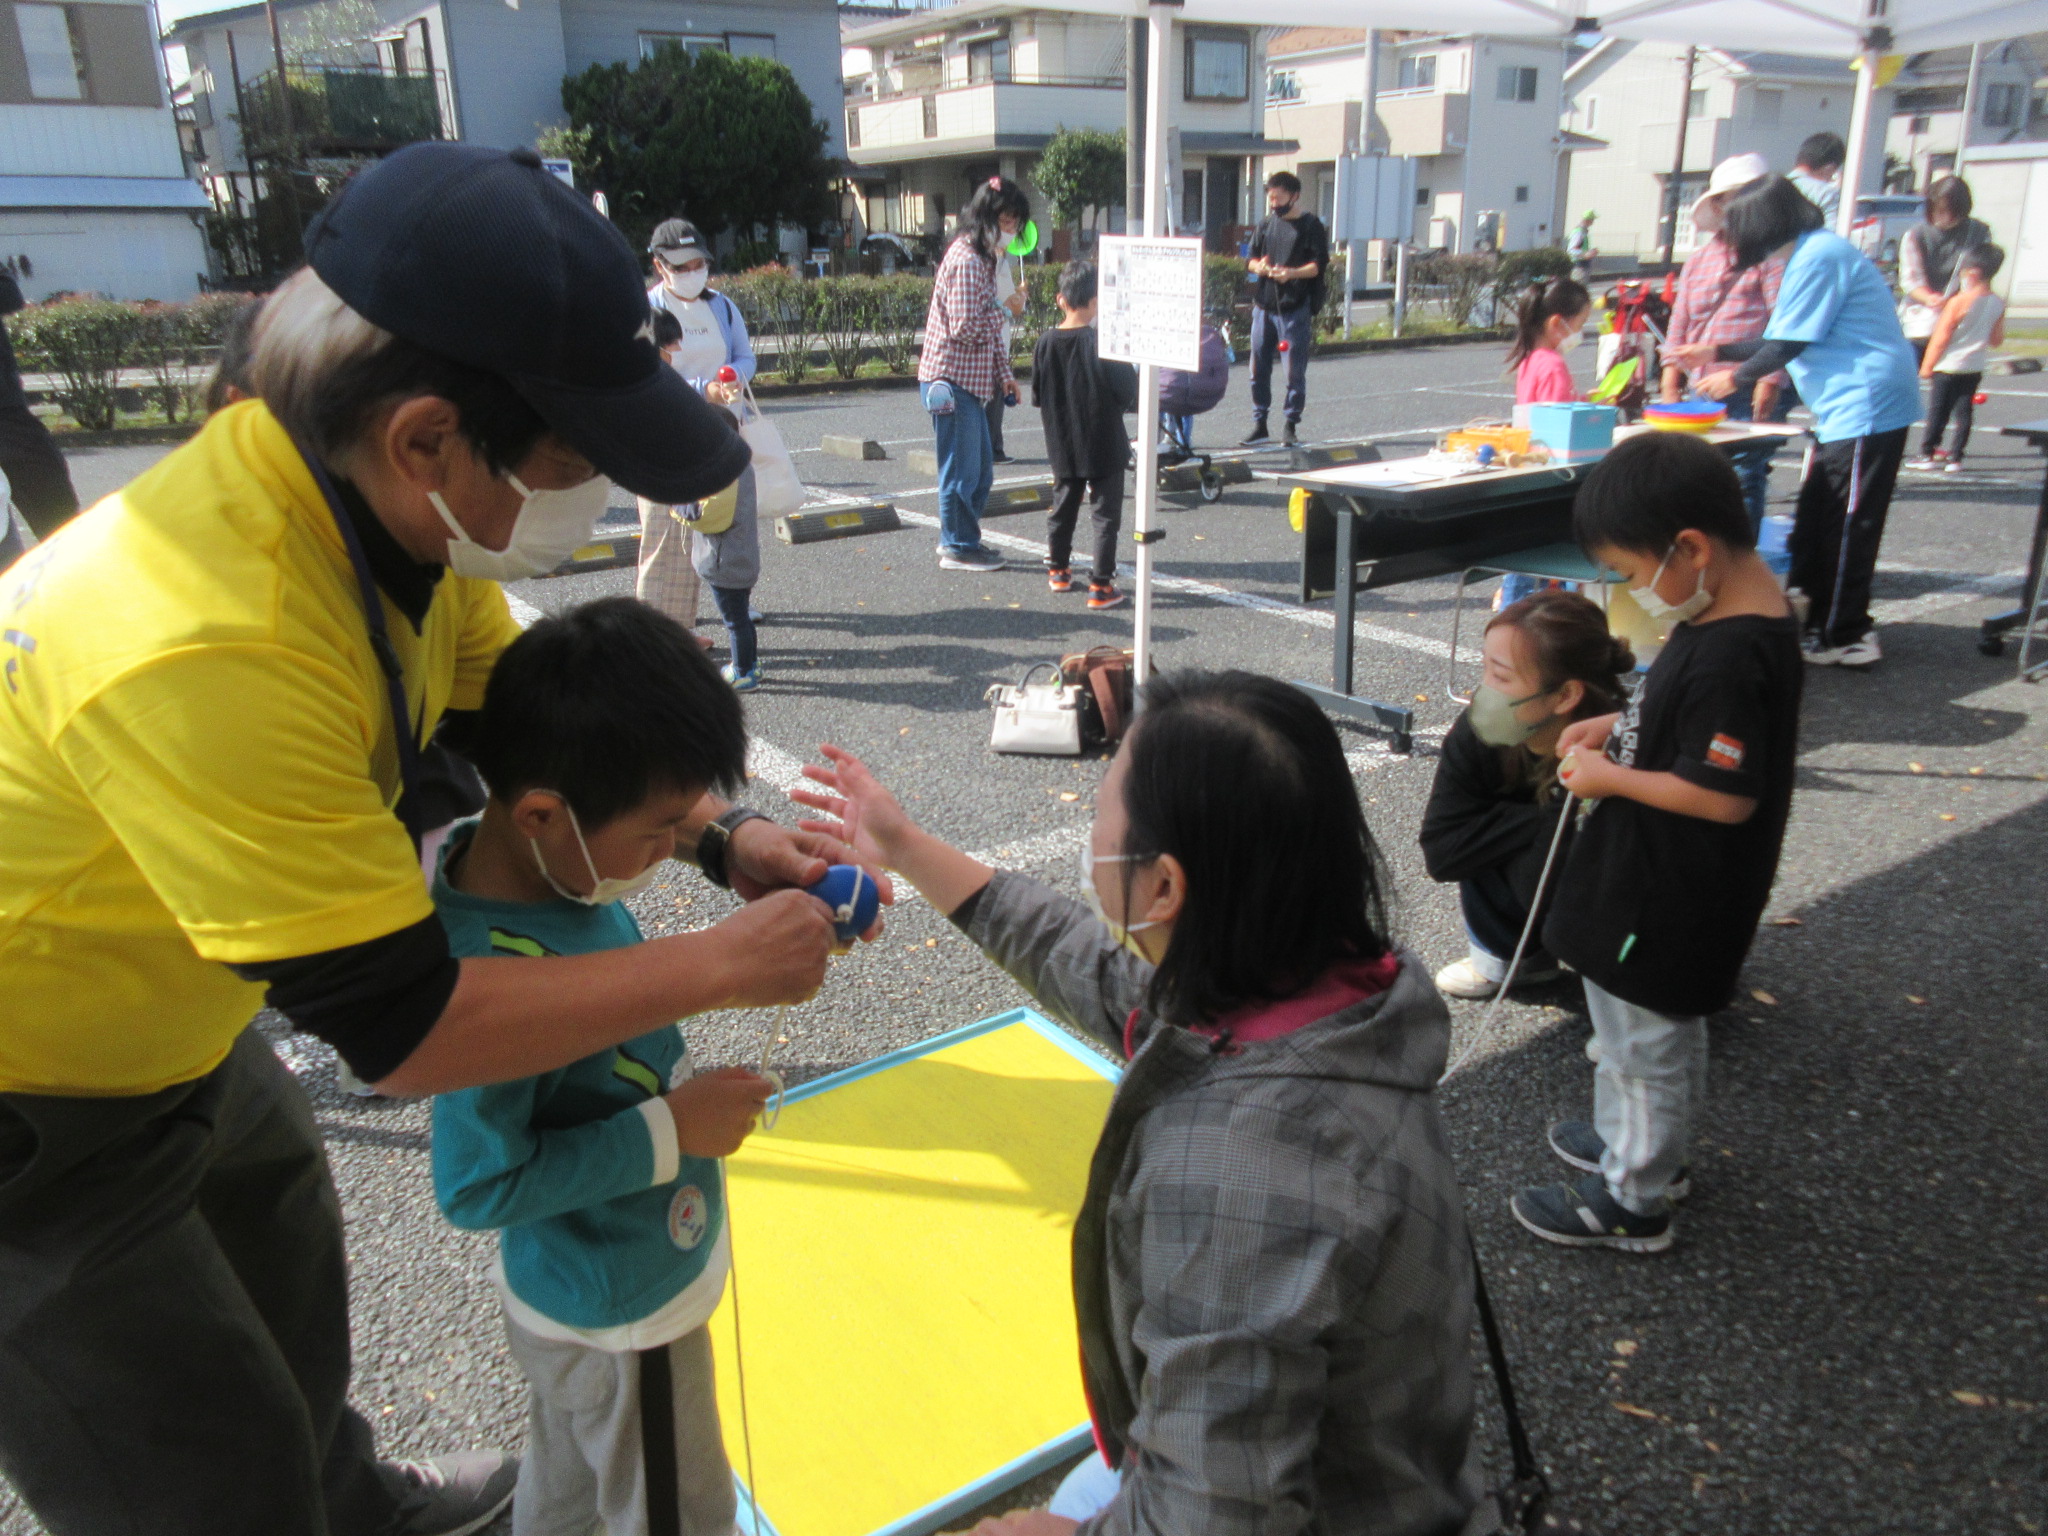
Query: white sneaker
[1861, 653]
[1461, 978]
[1593, 1049]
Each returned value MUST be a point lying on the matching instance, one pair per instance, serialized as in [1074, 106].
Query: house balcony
[1424, 122]
[340, 111]
[984, 116]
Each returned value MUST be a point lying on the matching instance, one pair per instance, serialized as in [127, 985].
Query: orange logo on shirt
[1724, 751]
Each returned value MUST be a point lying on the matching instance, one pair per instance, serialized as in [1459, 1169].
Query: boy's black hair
[606, 705]
[1077, 284]
[1243, 780]
[1286, 181]
[1764, 215]
[668, 330]
[1822, 152]
[1654, 487]
[1986, 258]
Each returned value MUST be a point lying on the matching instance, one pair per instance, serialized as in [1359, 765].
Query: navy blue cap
[480, 255]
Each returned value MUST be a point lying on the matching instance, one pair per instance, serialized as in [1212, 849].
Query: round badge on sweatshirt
[687, 1218]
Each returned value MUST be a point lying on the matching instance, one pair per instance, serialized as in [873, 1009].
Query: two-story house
[1926, 126]
[1478, 114]
[483, 71]
[938, 101]
[1738, 103]
[94, 195]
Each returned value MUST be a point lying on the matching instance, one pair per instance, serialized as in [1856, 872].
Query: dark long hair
[1242, 779]
[980, 219]
[1569, 640]
[1542, 302]
[1764, 215]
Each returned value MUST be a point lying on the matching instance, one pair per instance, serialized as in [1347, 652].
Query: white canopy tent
[1867, 30]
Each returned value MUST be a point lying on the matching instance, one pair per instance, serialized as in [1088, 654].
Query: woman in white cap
[714, 339]
[1716, 302]
[216, 686]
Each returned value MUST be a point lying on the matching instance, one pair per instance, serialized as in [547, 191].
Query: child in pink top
[1549, 324]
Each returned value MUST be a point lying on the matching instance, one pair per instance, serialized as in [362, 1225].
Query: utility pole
[1969, 109]
[1678, 160]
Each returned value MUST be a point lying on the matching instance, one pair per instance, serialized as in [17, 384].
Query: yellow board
[901, 1245]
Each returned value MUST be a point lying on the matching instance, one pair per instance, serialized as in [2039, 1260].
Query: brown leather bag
[1105, 675]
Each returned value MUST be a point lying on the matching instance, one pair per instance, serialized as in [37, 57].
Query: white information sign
[1150, 301]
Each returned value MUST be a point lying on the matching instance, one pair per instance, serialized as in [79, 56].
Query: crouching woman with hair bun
[1272, 1280]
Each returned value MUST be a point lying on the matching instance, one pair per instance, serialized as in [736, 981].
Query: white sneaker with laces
[1860, 653]
[1461, 978]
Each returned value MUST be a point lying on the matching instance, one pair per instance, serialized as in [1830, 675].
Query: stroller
[1183, 397]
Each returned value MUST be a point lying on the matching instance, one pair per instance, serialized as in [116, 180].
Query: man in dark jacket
[1290, 261]
[36, 476]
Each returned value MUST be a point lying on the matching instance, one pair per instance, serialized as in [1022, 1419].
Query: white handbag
[1043, 719]
[778, 490]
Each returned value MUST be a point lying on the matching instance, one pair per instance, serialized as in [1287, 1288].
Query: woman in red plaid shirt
[964, 364]
[1715, 303]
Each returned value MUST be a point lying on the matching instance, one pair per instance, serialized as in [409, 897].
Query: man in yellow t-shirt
[214, 689]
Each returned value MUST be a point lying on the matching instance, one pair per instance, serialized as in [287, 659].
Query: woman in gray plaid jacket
[1272, 1280]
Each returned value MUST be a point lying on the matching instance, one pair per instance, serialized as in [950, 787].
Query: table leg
[1992, 639]
[1397, 721]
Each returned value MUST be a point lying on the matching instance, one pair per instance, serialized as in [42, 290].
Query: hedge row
[86, 345]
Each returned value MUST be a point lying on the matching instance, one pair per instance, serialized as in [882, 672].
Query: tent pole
[1859, 133]
[1969, 110]
[1159, 68]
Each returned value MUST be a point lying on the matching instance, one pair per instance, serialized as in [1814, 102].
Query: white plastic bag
[778, 490]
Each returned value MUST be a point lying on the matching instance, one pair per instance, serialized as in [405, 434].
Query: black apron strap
[658, 1443]
[387, 657]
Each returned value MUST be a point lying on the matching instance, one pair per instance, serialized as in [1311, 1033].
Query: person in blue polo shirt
[1835, 330]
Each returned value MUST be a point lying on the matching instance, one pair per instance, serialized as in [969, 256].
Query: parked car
[1882, 219]
[893, 253]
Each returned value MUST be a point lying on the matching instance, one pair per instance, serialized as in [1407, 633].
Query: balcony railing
[868, 92]
[340, 111]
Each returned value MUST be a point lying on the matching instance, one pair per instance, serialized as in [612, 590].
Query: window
[1283, 85]
[1218, 67]
[1190, 199]
[989, 59]
[1696, 104]
[1590, 113]
[1422, 197]
[2001, 99]
[692, 43]
[50, 49]
[931, 117]
[751, 45]
[1917, 125]
[1416, 73]
[1768, 108]
[1517, 83]
[1521, 194]
[853, 129]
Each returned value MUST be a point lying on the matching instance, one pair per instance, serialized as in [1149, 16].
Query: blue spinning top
[853, 896]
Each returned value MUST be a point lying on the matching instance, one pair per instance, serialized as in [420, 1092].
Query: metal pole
[1678, 160]
[1134, 131]
[1859, 130]
[1368, 107]
[1158, 65]
[291, 136]
[1400, 285]
[1969, 108]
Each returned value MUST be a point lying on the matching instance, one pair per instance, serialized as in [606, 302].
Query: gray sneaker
[451, 1495]
[1580, 1145]
[980, 558]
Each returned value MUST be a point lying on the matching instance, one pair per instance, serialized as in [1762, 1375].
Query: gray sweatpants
[586, 1455]
[1647, 1091]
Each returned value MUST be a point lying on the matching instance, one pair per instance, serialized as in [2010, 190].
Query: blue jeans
[966, 465]
[1269, 328]
[1753, 467]
[739, 624]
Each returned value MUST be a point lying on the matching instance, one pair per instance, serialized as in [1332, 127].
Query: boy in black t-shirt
[1691, 788]
[1081, 399]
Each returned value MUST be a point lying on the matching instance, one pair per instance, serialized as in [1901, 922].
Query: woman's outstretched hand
[870, 821]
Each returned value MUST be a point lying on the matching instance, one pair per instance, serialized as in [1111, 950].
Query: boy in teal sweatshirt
[599, 732]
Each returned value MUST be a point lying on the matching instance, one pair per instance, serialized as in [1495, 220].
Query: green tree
[1081, 168]
[731, 142]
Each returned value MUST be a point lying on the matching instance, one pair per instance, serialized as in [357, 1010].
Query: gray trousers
[1647, 1091]
[174, 1344]
[587, 1452]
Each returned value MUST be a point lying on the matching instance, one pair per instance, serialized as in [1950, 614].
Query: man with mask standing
[1289, 260]
[213, 690]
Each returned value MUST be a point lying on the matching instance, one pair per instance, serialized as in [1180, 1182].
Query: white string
[1565, 818]
[772, 1110]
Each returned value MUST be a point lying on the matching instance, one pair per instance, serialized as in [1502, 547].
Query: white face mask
[551, 526]
[1117, 931]
[1571, 339]
[603, 889]
[1674, 613]
[687, 285]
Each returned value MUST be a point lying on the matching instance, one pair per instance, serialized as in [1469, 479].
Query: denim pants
[966, 466]
[1495, 915]
[1269, 328]
[1753, 467]
[734, 606]
[1647, 1091]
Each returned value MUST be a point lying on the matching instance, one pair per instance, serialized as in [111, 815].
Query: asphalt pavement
[1847, 1337]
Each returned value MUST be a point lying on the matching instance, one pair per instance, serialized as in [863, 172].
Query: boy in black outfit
[1692, 786]
[1082, 400]
[1290, 264]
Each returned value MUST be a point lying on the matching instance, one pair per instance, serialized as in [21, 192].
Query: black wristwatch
[715, 842]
